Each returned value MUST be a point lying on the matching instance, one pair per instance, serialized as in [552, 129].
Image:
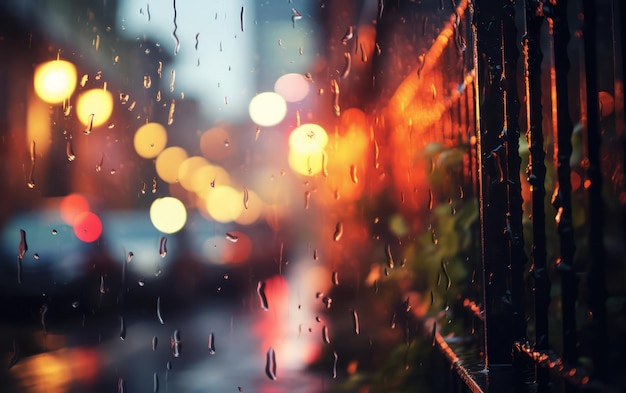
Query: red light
[87, 227]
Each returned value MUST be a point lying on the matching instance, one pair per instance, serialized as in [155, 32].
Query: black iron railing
[544, 355]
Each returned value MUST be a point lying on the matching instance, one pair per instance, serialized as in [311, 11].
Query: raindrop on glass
[175, 343]
[270, 364]
[68, 152]
[211, 344]
[355, 321]
[389, 256]
[155, 384]
[335, 278]
[163, 247]
[231, 237]
[158, 310]
[260, 289]
[155, 342]
[338, 231]
[122, 328]
[325, 337]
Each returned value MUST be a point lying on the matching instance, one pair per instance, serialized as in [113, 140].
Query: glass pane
[235, 195]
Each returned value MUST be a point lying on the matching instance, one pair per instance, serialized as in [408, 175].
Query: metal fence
[550, 315]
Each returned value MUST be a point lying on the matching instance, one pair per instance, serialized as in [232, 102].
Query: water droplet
[141, 282]
[355, 321]
[147, 81]
[433, 236]
[231, 237]
[36, 256]
[75, 304]
[112, 171]
[121, 386]
[389, 256]
[325, 337]
[392, 323]
[176, 343]
[42, 314]
[444, 267]
[338, 231]
[353, 176]
[335, 278]
[170, 116]
[99, 165]
[270, 364]
[129, 257]
[335, 358]
[260, 289]
[22, 246]
[347, 36]
[155, 342]
[430, 199]
[315, 255]
[434, 333]
[348, 65]
[102, 288]
[328, 302]
[54, 232]
[122, 328]
[89, 126]
[245, 198]
[163, 247]
[158, 310]
[83, 80]
[68, 152]
[334, 88]
[211, 344]
[307, 197]
[155, 385]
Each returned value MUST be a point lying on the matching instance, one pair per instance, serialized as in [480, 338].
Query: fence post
[596, 278]
[561, 199]
[492, 165]
[536, 176]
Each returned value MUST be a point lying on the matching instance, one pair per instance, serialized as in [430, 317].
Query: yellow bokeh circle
[168, 162]
[224, 204]
[150, 140]
[55, 81]
[267, 109]
[168, 214]
[308, 139]
[187, 170]
[94, 107]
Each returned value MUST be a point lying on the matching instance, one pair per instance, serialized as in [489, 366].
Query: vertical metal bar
[493, 191]
[561, 198]
[597, 257]
[514, 187]
[537, 176]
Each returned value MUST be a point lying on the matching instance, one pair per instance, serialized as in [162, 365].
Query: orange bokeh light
[71, 206]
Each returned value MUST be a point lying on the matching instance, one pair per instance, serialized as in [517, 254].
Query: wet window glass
[286, 195]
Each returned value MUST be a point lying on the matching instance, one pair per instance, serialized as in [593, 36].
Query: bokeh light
[187, 170]
[267, 109]
[307, 164]
[205, 178]
[94, 107]
[253, 212]
[87, 227]
[224, 204]
[71, 206]
[292, 87]
[55, 81]
[168, 214]
[150, 140]
[215, 144]
[308, 139]
[168, 162]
